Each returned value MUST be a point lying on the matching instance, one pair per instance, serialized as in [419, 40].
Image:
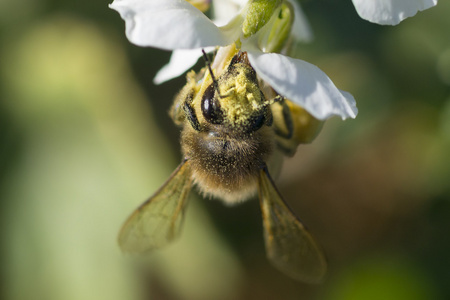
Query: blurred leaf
[383, 277]
[91, 152]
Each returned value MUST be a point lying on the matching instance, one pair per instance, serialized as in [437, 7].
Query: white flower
[182, 60]
[171, 24]
[390, 12]
[303, 83]
[175, 24]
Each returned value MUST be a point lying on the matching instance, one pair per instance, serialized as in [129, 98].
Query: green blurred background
[85, 138]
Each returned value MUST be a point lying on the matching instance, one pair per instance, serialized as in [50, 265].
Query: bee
[231, 134]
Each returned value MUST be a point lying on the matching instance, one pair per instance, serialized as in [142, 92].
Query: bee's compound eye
[211, 107]
[256, 122]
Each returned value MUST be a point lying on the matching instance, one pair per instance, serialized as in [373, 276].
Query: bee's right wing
[289, 245]
[158, 220]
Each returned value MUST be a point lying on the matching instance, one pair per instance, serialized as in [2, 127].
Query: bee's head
[235, 100]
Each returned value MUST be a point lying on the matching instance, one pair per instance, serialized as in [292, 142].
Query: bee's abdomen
[225, 166]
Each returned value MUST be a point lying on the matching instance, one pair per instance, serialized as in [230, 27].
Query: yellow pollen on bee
[242, 97]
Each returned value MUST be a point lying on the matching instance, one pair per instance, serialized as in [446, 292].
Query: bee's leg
[288, 149]
[288, 122]
[178, 111]
[283, 126]
[190, 114]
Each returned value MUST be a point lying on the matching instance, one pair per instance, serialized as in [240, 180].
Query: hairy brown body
[225, 164]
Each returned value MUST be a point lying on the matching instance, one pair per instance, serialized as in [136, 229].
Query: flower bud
[258, 13]
[276, 35]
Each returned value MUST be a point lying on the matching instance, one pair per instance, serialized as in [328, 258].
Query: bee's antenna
[215, 83]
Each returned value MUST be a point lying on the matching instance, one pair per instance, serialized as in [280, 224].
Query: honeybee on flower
[238, 115]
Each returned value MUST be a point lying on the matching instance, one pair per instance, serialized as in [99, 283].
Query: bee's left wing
[289, 245]
[158, 220]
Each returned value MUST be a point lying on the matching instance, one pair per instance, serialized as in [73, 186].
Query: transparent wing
[290, 247]
[158, 220]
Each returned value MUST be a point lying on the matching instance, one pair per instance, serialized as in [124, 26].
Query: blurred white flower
[390, 12]
[176, 24]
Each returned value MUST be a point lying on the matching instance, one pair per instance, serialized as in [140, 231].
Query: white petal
[303, 84]
[180, 62]
[241, 3]
[224, 11]
[169, 24]
[390, 12]
[300, 29]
